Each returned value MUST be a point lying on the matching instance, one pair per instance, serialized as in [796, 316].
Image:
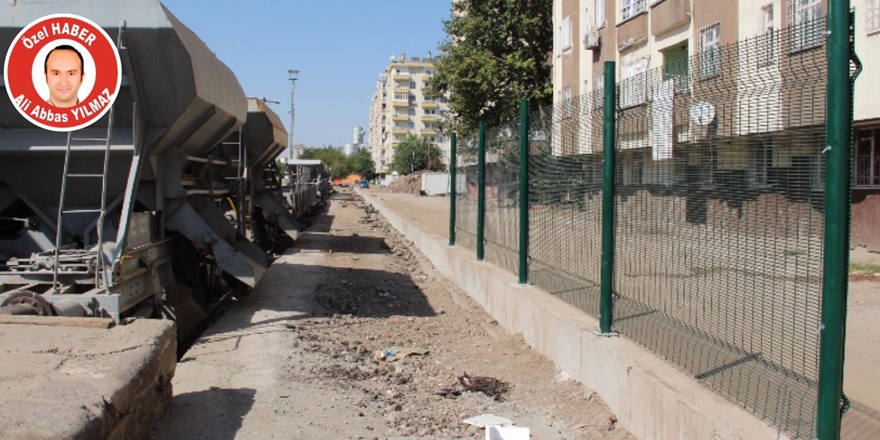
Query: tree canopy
[416, 153]
[494, 55]
[359, 163]
[332, 157]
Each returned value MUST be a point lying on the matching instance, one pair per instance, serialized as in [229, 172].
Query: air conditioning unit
[591, 39]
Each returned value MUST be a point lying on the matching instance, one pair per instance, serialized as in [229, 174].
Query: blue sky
[339, 46]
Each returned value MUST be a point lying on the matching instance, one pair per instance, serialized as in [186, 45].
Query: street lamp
[293, 75]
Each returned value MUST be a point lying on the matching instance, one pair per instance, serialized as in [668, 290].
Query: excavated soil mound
[409, 184]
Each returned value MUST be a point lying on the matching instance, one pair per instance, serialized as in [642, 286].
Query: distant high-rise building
[357, 141]
[297, 150]
[357, 135]
[401, 107]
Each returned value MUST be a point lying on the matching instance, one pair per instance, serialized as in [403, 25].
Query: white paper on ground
[484, 420]
[510, 432]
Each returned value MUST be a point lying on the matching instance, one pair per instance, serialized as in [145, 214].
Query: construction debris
[408, 184]
[489, 386]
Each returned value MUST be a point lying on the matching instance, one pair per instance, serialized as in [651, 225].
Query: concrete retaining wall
[66, 383]
[649, 397]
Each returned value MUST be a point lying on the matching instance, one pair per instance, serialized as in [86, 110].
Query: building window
[710, 51]
[565, 33]
[675, 68]
[709, 165]
[767, 41]
[599, 19]
[411, 125]
[411, 112]
[634, 85]
[633, 168]
[566, 102]
[598, 90]
[401, 96]
[412, 84]
[631, 8]
[760, 157]
[872, 16]
[817, 181]
[867, 170]
[805, 18]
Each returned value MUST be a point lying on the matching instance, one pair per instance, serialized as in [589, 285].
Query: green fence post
[608, 126]
[452, 188]
[837, 205]
[524, 192]
[481, 189]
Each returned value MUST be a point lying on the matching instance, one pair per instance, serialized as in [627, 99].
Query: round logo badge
[62, 72]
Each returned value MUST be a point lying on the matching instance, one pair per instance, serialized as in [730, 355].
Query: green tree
[496, 53]
[281, 165]
[362, 164]
[416, 153]
[332, 157]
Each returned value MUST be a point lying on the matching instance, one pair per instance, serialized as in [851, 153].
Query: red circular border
[19, 63]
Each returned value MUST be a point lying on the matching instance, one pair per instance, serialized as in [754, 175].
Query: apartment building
[401, 107]
[733, 75]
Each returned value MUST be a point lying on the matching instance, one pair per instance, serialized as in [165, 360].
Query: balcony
[400, 131]
[401, 104]
[429, 132]
[400, 118]
[633, 31]
[669, 14]
[401, 77]
[430, 118]
[401, 90]
[430, 104]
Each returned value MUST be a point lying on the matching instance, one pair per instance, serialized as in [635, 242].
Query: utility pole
[293, 75]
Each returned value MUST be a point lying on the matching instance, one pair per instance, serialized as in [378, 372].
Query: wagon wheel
[26, 302]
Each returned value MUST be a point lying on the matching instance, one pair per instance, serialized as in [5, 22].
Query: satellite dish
[392, 57]
[702, 113]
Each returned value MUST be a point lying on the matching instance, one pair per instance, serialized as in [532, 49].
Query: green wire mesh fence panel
[466, 193]
[565, 194]
[502, 194]
[719, 209]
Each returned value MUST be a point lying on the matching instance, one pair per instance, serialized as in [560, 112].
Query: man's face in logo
[64, 72]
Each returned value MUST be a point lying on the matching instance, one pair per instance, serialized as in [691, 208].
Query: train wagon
[147, 235]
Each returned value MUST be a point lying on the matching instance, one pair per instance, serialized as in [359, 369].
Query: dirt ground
[352, 334]
[862, 365]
